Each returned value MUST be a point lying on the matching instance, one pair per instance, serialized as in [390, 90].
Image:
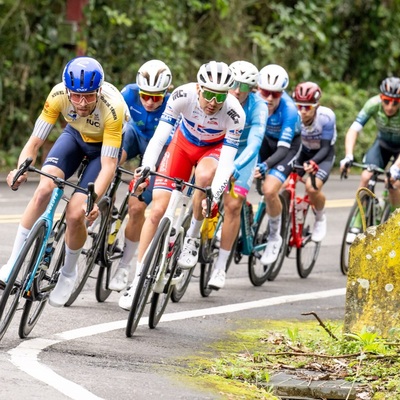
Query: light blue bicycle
[36, 270]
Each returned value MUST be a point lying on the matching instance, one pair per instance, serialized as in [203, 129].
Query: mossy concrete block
[373, 281]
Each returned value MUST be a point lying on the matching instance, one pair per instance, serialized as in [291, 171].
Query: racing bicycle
[37, 267]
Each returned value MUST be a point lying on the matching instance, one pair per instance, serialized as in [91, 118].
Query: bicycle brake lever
[92, 196]
[21, 170]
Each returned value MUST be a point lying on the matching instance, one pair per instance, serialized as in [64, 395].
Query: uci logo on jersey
[93, 123]
[234, 115]
[177, 94]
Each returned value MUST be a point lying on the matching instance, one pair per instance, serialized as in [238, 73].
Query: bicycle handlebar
[312, 176]
[370, 168]
[146, 172]
[59, 182]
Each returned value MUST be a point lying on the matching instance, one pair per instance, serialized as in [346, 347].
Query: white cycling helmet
[154, 76]
[244, 72]
[273, 77]
[215, 76]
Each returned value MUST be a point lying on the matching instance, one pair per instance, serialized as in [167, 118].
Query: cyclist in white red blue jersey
[207, 138]
[318, 135]
[280, 147]
[146, 100]
[246, 75]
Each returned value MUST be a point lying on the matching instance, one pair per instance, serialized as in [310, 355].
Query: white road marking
[26, 355]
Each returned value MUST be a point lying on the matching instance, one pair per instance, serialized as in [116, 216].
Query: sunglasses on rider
[146, 96]
[243, 87]
[267, 93]
[305, 107]
[208, 95]
[77, 97]
[387, 100]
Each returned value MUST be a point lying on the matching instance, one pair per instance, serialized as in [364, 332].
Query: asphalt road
[81, 352]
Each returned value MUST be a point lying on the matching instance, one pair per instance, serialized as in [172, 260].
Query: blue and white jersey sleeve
[253, 133]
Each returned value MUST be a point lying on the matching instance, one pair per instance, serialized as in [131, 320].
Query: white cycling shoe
[319, 230]
[63, 290]
[125, 301]
[217, 280]
[190, 253]
[271, 252]
[120, 280]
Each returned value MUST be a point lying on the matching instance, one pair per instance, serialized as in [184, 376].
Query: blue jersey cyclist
[146, 100]
[318, 135]
[280, 146]
[245, 75]
[95, 112]
[384, 109]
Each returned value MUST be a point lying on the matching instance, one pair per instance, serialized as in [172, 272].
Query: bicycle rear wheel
[148, 276]
[180, 288]
[114, 253]
[91, 253]
[350, 229]
[15, 286]
[44, 282]
[307, 254]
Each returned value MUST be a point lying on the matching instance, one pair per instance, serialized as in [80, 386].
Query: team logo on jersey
[178, 93]
[234, 115]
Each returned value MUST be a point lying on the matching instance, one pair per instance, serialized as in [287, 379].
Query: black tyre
[180, 288]
[259, 273]
[43, 284]
[148, 276]
[114, 251]
[348, 236]
[307, 254]
[13, 291]
[91, 253]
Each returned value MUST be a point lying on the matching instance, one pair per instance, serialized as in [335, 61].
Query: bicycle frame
[297, 204]
[178, 200]
[247, 231]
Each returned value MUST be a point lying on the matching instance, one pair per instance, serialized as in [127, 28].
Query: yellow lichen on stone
[373, 281]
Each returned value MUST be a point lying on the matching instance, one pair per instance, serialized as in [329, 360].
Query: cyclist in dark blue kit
[146, 100]
[280, 146]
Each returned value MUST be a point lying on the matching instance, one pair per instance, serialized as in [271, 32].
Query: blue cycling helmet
[83, 74]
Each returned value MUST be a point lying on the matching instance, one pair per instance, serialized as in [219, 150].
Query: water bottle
[115, 225]
[250, 214]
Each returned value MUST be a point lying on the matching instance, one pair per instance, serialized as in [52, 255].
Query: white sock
[71, 258]
[222, 259]
[274, 227]
[129, 251]
[194, 229]
[20, 237]
[319, 214]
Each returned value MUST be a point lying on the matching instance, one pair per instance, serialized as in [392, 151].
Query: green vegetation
[347, 47]
[241, 367]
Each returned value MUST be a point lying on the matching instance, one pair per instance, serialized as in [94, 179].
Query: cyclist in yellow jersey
[95, 112]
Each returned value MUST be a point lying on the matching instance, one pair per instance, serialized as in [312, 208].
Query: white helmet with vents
[244, 72]
[273, 77]
[215, 76]
[154, 76]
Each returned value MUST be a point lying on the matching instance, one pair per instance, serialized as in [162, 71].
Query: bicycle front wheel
[43, 284]
[352, 227]
[90, 252]
[15, 286]
[148, 276]
[181, 286]
[307, 253]
[113, 255]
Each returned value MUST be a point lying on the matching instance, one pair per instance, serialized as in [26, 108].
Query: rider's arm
[258, 122]
[351, 138]
[156, 144]
[322, 152]
[106, 174]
